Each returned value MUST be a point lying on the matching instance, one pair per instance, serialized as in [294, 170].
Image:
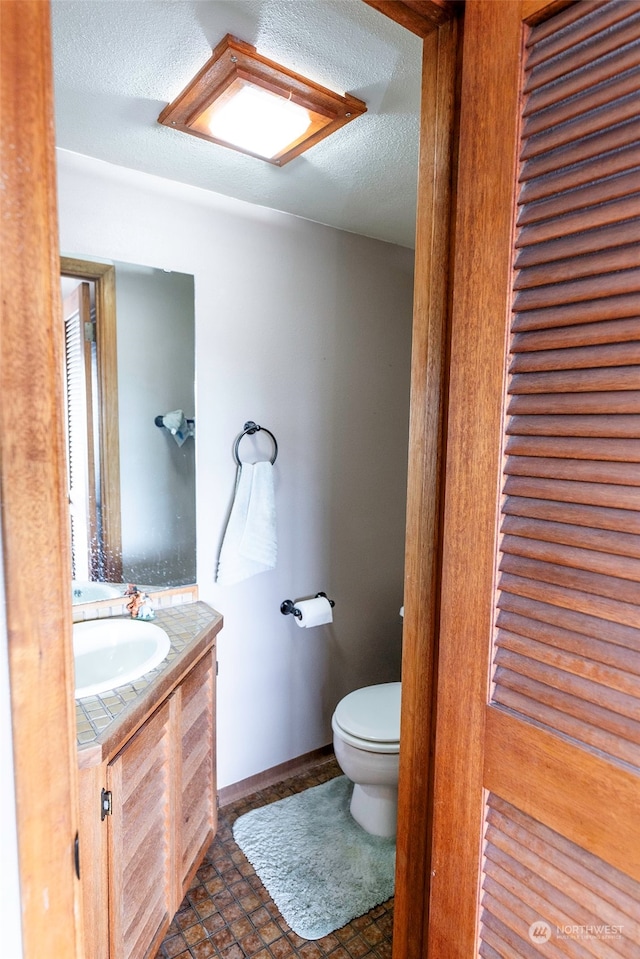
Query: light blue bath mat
[318, 865]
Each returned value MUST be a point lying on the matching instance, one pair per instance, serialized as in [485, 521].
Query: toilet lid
[371, 713]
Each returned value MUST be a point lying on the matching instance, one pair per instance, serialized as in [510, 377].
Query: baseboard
[293, 767]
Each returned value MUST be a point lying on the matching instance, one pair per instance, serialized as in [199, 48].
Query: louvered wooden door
[141, 893]
[537, 777]
[195, 820]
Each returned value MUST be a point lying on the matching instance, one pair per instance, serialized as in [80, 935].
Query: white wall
[306, 330]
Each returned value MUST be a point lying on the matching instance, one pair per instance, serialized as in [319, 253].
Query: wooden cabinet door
[196, 813]
[536, 845]
[141, 900]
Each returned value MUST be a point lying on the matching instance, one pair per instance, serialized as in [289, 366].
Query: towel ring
[249, 428]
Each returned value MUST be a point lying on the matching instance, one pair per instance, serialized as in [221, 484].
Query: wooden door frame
[425, 489]
[439, 23]
[478, 335]
[35, 522]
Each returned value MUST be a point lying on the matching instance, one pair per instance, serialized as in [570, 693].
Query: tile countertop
[105, 721]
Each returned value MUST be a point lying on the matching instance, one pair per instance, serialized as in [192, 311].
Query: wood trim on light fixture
[234, 61]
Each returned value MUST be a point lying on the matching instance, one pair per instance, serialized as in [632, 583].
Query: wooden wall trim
[109, 426]
[104, 277]
[421, 17]
[429, 384]
[34, 511]
[292, 767]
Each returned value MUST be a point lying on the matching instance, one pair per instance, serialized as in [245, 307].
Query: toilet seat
[369, 718]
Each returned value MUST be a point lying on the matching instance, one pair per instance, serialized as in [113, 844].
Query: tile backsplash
[162, 599]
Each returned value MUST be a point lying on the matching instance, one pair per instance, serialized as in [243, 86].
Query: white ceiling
[117, 63]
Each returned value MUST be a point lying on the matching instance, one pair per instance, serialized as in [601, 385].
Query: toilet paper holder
[288, 606]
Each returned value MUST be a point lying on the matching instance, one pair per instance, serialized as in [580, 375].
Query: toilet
[366, 742]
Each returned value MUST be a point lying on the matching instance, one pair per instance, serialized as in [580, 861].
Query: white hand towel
[250, 542]
[177, 425]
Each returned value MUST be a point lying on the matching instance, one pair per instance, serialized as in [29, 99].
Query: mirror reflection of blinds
[82, 406]
[77, 444]
[96, 529]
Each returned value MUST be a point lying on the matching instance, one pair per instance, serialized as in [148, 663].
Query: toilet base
[375, 808]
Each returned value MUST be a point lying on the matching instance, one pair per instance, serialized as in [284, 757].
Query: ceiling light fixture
[242, 100]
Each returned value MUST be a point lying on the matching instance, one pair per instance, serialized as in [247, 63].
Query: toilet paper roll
[315, 612]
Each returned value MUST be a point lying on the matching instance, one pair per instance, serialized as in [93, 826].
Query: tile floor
[228, 913]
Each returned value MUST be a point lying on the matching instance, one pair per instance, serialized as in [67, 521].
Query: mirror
[130, 360]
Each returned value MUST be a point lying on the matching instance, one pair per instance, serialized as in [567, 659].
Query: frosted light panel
[260, 122]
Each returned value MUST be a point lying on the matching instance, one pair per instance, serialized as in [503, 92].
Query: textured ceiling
[117, 63]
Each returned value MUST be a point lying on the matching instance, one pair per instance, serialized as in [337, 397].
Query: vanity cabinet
[137, 862]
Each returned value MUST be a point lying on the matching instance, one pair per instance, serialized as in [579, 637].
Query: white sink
[111, 652]
[90, 592]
